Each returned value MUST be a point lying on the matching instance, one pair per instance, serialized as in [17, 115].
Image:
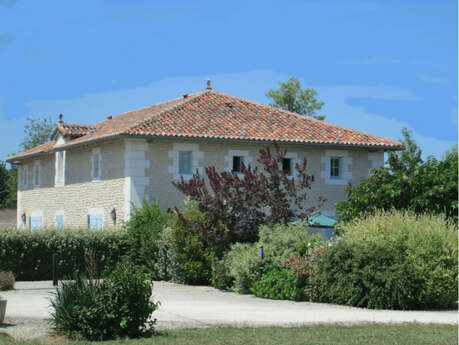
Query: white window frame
[340, 168]
[36, 170]
[190, 172]
[59, 214]
[57, 181]
[345, 167]
[24, 176]
[99, 212]
[35, 214]
[96, 153]
[196, 157]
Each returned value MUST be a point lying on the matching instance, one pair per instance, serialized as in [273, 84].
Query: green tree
[8, 186]
[291, 97]
[407, 182]
[37, 132]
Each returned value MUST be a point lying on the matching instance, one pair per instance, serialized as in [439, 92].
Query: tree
[407, 183]
[235, 206]
[37, 132]
[291, 97]
[8, 186]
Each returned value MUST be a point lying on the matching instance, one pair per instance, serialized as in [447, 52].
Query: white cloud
[431, 79]
[374, 60]
[252, 85]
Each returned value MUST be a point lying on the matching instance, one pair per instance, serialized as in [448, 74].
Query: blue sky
[377, 65]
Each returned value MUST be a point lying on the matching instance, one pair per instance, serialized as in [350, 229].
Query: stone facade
[134, 169]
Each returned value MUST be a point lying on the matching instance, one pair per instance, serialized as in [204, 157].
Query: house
[93, 175]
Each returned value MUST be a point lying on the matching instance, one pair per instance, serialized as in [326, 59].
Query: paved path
[201, 306]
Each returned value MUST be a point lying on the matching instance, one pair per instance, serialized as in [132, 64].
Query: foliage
[191, 253]
[28, 254]
[37, 132]
[243, 266]
[118, 306]
[291, 97]
[407, 183]
[144, 229]
[279, 242]
[221, 278]
[391, 260]
[6, 280]
[279, 282]
[237, 205]
[8, 186]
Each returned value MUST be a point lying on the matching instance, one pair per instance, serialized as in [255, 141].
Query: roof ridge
[172, 107]
[287, 112]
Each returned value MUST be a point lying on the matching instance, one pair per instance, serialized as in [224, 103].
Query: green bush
[189, 254]
[28, 254]
[279, 243]
[6, 281]
[391, 260]
[221, 278]
[279, 282]
[243, 266]
[119, 306]
[144, 229]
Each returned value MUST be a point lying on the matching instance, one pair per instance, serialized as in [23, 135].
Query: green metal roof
[322, 221]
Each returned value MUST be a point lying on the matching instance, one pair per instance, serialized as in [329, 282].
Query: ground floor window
[35, 222]
[94, 221]
[59, 221]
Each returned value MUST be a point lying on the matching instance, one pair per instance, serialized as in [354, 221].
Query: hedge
[28, 254]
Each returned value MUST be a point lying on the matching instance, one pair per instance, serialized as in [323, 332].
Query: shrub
[221, 278]
[243, 266]
[28, 254]
[278, 282]
[391, 260]
[144, 229]
[6, 280]
[119, 306]
[279, 242]
[190, 254]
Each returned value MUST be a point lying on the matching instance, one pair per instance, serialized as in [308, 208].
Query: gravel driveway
[202, 306]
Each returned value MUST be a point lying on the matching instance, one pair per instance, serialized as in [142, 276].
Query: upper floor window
[60, 168]
[185, 162]
[36, 174]
[237, 163]
[335, 167]
[287, 165]
[96, 168]
[25, 176]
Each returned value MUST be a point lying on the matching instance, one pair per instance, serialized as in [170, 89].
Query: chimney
[208, 87]
[109, 117]
[61, 118]
[185, 95]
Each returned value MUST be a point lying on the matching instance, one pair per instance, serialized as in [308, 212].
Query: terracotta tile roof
[214, 115]
[73, 130]
[43, 148]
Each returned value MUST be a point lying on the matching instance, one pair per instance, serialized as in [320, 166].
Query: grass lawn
[415, 334]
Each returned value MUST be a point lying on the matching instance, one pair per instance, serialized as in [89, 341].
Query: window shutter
[88, 221]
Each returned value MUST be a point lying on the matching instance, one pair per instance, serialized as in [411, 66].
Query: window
[60, 168]
[96, 170]
[36, 174]
[35, 222]
[185, 163]
[335, 167]
[237, 163]
[287, 165]
[94, 221]
[59, 221]
[25, 176]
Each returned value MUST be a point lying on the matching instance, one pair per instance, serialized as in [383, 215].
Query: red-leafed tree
[237, 204]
